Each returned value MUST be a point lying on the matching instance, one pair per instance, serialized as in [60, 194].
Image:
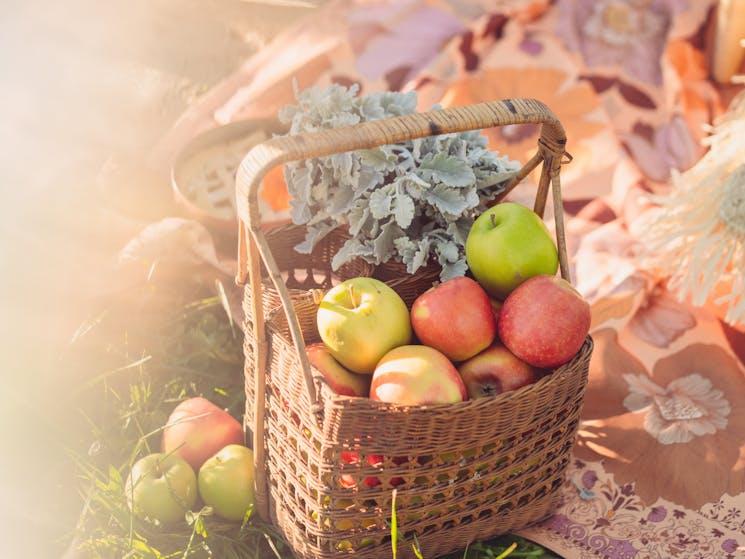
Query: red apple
[351, 457]
[197, 429]
[496, 370]
[415, 375]
[544, 321]
[339, 379]
[347, 480]
[454, 317]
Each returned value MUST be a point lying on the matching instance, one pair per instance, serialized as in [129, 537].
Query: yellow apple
[226, 482]
[360, 320]
[161, 487]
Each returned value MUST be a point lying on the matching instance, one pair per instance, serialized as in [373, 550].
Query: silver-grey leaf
[358, 219]
[300, 212]
[384, 244]
[471, 197]
[300, 181]
[381, 202]
[313, 234]
[368, 179]
[342, 165]
[370, 108]
[378, 158]
[341, 201]
[421, 256]
[447, 251]
[403, 209]
[453, 269]
[446, 169]
[446, 200]
[459, 229]
[350, 250]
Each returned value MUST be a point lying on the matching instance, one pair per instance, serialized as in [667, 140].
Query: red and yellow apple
[454, 317]
[544, 321]
[496, 370]
[226, 482]
[161, 487]
[360, 320]
[197, 429]
[416, 375]
[506, 245]
[339, 379]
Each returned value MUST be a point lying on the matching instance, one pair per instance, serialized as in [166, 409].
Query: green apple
[360, 320]
[161, 487]
[508, 244]
[226, 482]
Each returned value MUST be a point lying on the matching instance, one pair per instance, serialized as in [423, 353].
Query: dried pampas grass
[696, 235]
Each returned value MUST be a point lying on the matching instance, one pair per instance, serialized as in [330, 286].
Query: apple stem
[351, 294]
[493, 220]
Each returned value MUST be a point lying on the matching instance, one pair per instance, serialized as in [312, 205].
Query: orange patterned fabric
[659, 466]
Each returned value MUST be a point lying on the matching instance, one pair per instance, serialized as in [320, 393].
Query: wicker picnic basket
[458, 472]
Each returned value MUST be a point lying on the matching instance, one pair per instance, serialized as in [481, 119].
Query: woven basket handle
[252, 243]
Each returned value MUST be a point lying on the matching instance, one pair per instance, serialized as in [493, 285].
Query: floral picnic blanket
[659, 466]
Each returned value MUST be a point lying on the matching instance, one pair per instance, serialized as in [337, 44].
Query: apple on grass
[226, 482]
[339, 379]
[161, 487]
[496, 370]
[454, 317]
[360, 320]
[197, 429]
[506, 245]
[544, 321]
[417, 375]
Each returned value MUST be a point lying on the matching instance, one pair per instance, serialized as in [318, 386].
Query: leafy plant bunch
[409, 201]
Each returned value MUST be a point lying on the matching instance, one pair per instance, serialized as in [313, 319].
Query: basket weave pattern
[461, 472]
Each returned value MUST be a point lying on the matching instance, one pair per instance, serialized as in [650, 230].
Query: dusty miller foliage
[408, 201]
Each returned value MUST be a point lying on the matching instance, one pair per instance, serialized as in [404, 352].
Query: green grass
[153, 361]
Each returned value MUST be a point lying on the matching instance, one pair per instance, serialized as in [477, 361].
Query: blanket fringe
[696, 235]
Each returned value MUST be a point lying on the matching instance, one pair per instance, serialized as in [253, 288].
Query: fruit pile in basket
[499, 328]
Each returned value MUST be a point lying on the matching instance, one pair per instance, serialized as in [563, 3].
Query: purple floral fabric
[600, 518]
